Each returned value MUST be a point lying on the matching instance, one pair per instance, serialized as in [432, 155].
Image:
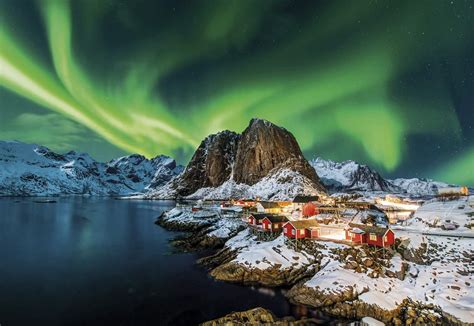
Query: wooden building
[299, 229]
[256, 218]
[274, 223]
[268, 207]
[371, 235]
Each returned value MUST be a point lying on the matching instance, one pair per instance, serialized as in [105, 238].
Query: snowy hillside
[32, 170]
[282, 185]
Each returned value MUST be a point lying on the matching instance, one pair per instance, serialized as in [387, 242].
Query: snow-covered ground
[435, 213]
[263, 255]
[446, 280]
[219, 225]
[282, 185]
[447, 283]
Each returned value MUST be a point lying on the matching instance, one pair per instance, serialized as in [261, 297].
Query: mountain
[419, 187]
[352, 176]
[211, 164]
[32, 170]
[264, 161]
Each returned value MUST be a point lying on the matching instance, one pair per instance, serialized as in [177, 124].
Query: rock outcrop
[265, 147]
[257, 316]
[211, 164]
[271, 277]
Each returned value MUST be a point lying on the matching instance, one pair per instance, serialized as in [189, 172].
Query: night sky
[386, 83]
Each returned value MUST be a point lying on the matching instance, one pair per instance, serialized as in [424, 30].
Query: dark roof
[277, 218]
[304, 199]
[370, 229]
[304, 224]
[260, 216]
[269, 204]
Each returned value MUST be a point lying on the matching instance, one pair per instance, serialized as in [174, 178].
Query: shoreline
[232, 262]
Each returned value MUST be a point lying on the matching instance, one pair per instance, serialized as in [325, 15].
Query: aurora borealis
[387, 83]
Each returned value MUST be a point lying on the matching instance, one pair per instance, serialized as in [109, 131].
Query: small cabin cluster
[355, 233]
[297, 220]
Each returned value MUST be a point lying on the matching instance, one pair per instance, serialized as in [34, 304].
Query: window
[293, 232]
[385, 239]
[373, 237]
[276, 226]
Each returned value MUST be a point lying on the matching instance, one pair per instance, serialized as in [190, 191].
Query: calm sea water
[96, 261]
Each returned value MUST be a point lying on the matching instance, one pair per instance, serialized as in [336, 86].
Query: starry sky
[386, 83]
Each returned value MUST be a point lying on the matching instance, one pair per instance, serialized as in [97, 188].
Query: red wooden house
[273, 223]
[371, 235]
[256, 219]
[299, 229]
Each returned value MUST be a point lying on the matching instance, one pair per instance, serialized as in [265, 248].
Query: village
[373, 222]
[397, 258]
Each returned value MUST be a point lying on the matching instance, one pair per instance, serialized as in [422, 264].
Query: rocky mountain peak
[211, 164]
[261, 150]
[264, 147]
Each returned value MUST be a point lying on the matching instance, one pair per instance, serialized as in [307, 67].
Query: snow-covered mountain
[264, 161]
[32, 170]
[284, 185]
[352, 176]
[418, 187]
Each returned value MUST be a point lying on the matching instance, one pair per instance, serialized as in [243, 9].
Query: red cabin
[257, 218]
[273, 223]
[299, 229]
[371, 235]
[310, 209]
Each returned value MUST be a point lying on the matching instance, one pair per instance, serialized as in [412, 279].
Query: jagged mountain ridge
[33, 170]
[230, 163]
[352, 176]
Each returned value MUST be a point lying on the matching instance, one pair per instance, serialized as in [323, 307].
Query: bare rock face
[211, 164]
[264, 147]
[258, 316]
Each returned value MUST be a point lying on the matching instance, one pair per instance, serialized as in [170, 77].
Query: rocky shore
[258, 316]
[404, 286]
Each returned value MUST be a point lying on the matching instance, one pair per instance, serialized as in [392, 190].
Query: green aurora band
[339, 100]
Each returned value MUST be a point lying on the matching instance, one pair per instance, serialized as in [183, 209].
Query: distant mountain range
[264, 161]
[32, 170]
[350, 176]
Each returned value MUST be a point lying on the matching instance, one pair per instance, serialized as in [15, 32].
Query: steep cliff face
[262, 151]
[211, 164]
[265, 147]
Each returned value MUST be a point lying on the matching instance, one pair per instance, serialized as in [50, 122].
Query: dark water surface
[97, 261]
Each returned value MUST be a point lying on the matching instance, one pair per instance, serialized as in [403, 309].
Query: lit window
[373, 237]
[385, 239]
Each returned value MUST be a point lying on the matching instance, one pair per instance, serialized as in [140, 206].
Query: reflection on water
[96, 261]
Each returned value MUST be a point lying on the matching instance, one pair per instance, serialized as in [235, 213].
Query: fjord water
[97, 261]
